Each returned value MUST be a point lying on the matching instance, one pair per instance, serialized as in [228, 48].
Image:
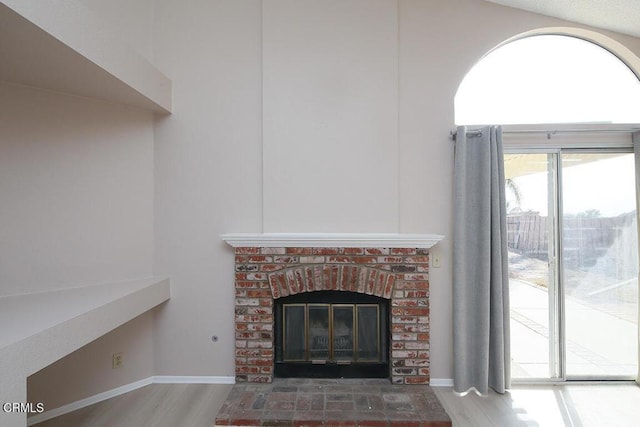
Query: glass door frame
[556, 316]
[556, 340]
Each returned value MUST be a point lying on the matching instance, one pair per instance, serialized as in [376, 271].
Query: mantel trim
[328, 240]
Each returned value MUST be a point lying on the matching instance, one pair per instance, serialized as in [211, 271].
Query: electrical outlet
[116, 360]
[435, 261]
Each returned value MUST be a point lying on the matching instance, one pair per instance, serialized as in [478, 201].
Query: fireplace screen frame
[331, 366]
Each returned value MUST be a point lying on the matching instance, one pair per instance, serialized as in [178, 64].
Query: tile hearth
[299, 402]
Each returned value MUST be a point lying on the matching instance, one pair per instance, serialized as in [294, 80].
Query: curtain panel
[636, 153]
[480, 270]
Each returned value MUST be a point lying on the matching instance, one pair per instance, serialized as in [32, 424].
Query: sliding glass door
[600, 264]
[573, 264]
[531, 218]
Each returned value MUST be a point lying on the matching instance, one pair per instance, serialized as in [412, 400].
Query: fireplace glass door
[316, 346]
[331, 333]
[334, 335]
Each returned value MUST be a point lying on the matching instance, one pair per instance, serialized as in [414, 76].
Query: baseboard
[79, 404]
[441, 382]
[168, 379]
[163, 379]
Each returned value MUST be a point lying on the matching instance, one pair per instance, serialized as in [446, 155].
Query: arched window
[548, 79]
[571, 201]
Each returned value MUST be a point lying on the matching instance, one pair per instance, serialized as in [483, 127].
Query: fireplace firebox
[331, 334]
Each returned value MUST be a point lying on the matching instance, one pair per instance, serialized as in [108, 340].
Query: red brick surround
[398, 274]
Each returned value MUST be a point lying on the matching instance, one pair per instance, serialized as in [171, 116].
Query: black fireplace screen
[333, 331]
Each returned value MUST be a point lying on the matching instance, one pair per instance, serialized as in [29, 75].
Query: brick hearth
[400, 275]
[297, 402]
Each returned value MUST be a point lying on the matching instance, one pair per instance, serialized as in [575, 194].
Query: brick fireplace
[273, 266]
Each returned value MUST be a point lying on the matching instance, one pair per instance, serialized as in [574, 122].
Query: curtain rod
[549, 133]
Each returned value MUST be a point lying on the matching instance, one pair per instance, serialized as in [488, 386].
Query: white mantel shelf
[330, 240]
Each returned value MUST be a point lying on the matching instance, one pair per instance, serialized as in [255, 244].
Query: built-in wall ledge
[328, 240]
[40, 328]
[64, 47]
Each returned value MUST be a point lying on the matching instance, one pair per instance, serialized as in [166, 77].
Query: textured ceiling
[622, 16]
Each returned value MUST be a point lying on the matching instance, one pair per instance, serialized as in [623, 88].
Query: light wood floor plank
[196, 405]
[156, 405]
[574, 405]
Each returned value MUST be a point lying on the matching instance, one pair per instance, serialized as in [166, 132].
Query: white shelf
[329, 240]
[62, 46]
[32, 314]
[40, 328]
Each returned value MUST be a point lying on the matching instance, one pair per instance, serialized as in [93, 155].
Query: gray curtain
[636, 153]
[480, 277]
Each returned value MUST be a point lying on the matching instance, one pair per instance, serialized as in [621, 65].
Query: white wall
[76, 179]
[439, 43]
[132, 21]
[208, 169]
[286, 100]
[330, 117]
[86, 187]
[76, 183]
[76, 190]
[89, 371]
